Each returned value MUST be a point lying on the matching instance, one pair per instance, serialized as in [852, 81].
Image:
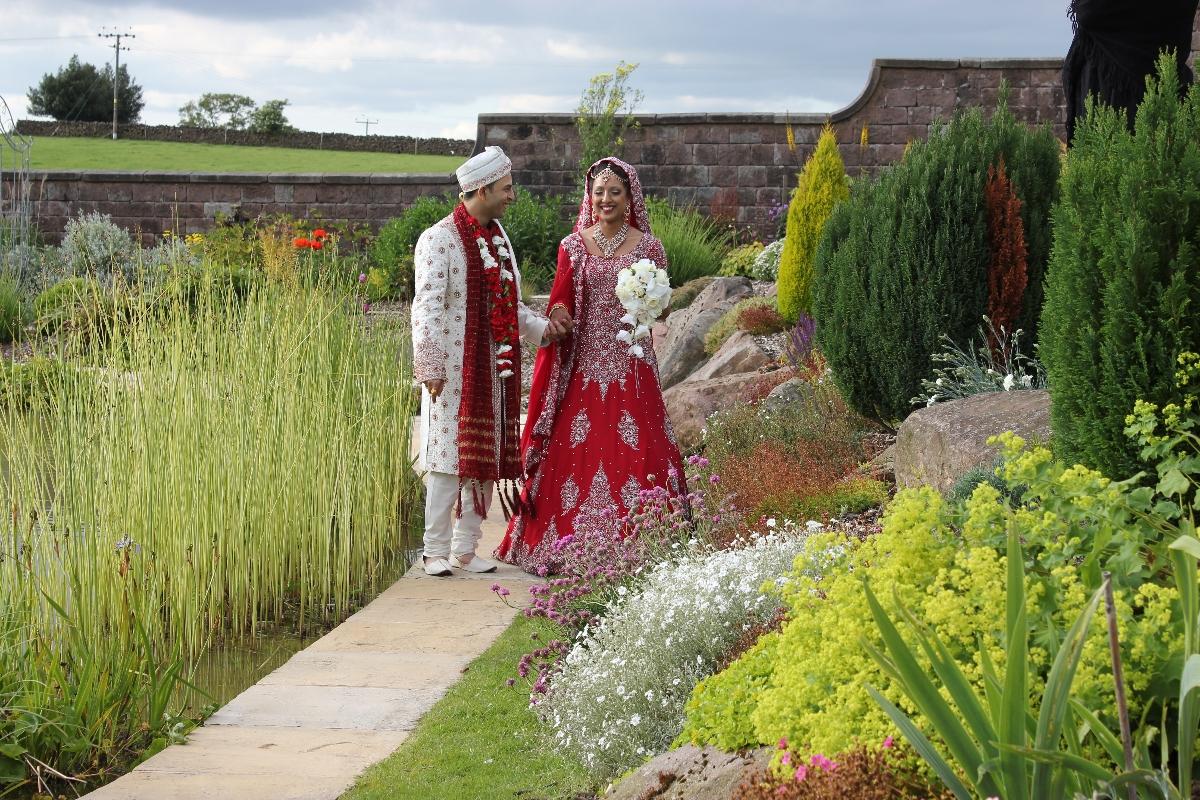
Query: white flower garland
[503, 359]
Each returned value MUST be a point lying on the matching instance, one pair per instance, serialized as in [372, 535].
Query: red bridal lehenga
[597, 431]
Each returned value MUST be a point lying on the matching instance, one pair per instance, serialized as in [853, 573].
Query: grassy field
[139, 155]
[479, 741]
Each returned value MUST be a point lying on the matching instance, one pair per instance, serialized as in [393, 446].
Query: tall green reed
[212, 464]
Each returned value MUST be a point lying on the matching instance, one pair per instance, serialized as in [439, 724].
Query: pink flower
[362, 277]
[801, 772]
[783, 743]
[787, 759]
[887, 743]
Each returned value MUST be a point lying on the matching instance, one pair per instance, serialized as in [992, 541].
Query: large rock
[690, 403]
[682, 348]
[937, 445]
[741, 352]
[690, 772]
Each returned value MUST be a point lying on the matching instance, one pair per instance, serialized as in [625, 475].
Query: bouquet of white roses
[644, 291]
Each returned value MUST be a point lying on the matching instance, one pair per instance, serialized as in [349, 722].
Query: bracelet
[555, 307]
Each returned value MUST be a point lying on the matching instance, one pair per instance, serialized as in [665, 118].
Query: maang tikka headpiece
[606, 174]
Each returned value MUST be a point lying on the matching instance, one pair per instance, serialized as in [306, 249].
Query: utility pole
[367, 123]
[116, 70]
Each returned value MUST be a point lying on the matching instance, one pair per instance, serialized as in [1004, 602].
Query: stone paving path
[307, 730]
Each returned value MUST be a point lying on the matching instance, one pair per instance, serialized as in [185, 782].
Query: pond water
[229, 668]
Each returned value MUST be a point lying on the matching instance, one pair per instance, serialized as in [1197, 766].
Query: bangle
[556, 307]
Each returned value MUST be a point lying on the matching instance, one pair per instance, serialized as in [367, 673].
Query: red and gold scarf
[491, 392]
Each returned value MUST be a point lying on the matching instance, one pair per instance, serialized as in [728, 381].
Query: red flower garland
[503, 294]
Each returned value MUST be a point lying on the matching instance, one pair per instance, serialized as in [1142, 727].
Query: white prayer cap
[480, 170]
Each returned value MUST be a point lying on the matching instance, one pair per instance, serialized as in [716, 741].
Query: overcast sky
[428, 67]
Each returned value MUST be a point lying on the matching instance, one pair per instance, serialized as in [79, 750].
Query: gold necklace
[610, 246]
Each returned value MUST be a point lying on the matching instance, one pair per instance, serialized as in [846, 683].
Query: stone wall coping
[115, 176]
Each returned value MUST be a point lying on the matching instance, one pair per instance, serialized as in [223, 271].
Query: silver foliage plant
[620, 694]
[94, 245]
[991, 362]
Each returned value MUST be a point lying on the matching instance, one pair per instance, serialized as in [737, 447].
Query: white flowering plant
[618, 696]
[645, 292]
[993, 363]
[766, 263]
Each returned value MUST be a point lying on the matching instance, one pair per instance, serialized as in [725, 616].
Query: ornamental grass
[205, 468]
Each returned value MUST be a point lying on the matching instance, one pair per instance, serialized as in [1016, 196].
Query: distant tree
[269, 118]
[217, 110]
[79, 91]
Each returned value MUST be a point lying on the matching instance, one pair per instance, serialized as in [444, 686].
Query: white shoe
[437, 566]
[476, 564]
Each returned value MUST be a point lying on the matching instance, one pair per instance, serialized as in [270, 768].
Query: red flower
[315, 244]
[319, 233]
[300, 241]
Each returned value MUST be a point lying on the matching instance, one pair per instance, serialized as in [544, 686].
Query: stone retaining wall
[151, 202]
[299, 139]
[741, 165]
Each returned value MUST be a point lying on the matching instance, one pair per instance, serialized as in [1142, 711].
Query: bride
[597, 432]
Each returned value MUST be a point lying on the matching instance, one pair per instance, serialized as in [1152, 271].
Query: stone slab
[331, 707]
[142, 785]
[400, 638]
[306, 752]
[384, 670]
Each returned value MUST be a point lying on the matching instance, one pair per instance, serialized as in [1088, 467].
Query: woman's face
[609, 198]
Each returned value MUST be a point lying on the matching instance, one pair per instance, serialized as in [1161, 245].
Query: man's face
[497, 196]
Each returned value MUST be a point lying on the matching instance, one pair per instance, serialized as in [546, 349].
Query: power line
[116, 70]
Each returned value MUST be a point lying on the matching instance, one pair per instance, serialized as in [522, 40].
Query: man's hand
[435, 388]
[559, 327]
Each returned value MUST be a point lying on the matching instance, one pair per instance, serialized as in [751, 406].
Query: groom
[467, 316]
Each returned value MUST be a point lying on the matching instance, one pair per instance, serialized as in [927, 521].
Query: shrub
[905, 259]
[230, 244]
[75, 302]
[1007, 273]
[821, 186]
[397, 239]
[761, 320]
[719, 709]
[1122, 287]
[620, 693]
[682, 296]
[947, 564]
[725, 327]
[535, 227]
[740, 260]
[12, 309]
[766, 263]
[885, 773]
[799, 428]
[693, 243]
[93, 245]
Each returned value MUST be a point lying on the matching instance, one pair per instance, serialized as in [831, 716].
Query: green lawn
[480, 742]
[139, 155]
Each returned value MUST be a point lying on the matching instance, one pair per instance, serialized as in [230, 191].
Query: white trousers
[444, 534]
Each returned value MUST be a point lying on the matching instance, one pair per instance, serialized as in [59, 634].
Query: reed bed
[204, 468]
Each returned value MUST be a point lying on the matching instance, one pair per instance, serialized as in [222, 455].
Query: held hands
[560, 326]
[435, 388]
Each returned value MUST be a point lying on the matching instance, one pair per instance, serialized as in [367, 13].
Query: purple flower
[362, 277]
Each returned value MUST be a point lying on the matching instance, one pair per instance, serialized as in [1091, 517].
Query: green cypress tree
[821, 186]
[1123, 286]
[905, 259]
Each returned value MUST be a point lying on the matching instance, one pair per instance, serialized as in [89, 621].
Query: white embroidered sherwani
[438, 332]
